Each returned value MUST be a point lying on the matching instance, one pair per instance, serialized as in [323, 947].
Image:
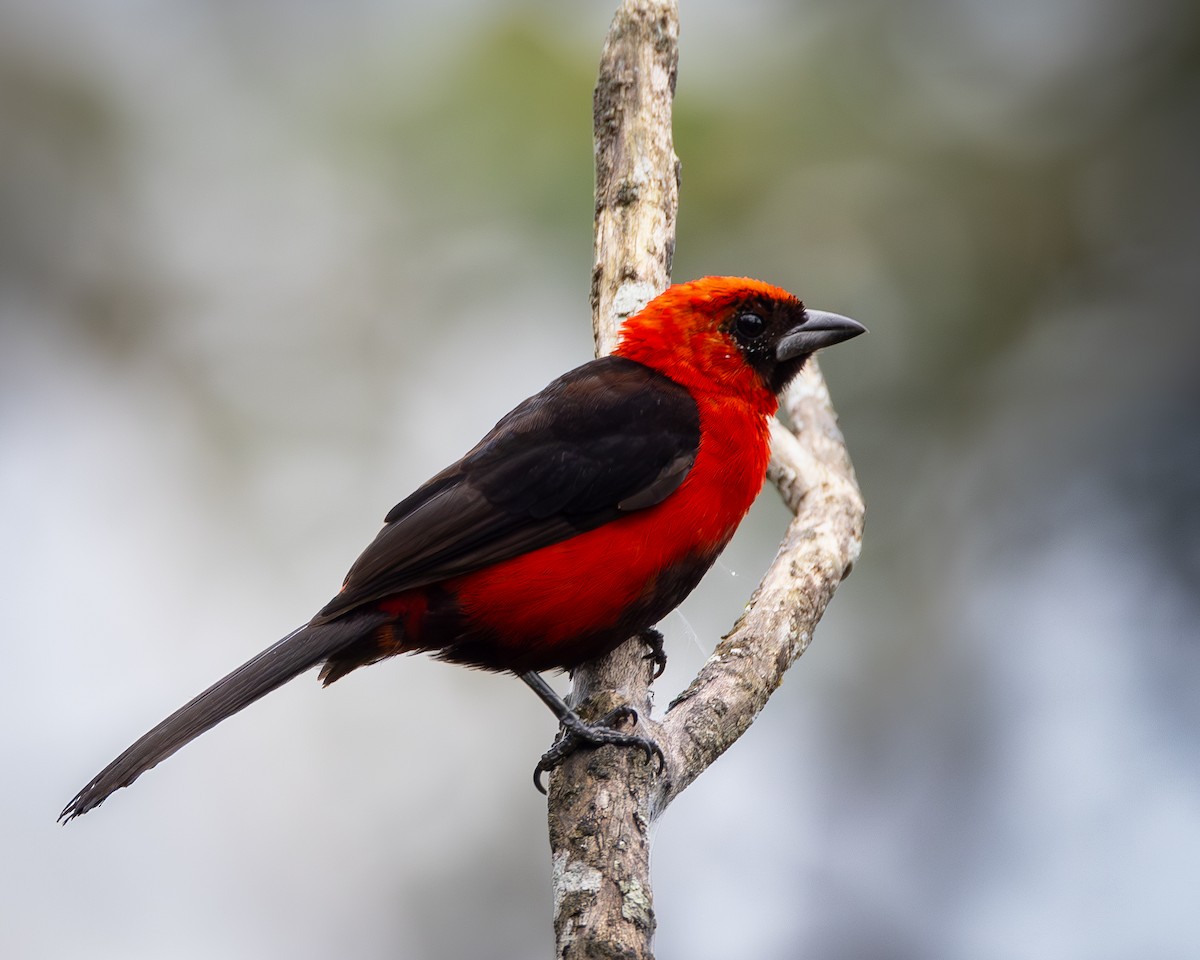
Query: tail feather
[298, 651]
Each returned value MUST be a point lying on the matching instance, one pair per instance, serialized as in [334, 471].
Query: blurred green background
[266, 266]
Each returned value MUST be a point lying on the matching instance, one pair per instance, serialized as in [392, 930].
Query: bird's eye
[749, 325]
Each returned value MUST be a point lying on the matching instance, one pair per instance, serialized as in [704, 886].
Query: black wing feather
[610, 437]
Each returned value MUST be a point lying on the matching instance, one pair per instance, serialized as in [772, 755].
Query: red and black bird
[586, 515]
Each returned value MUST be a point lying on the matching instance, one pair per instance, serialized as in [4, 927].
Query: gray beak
[820, 329]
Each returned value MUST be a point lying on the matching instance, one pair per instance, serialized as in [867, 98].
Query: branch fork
[602, 802]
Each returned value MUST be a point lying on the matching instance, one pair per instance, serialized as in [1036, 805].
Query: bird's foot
[578, 734]
[654, 640]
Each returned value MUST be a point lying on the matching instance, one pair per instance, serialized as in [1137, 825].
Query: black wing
[608, 438]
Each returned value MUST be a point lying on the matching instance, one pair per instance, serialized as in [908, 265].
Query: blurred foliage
[462, 152]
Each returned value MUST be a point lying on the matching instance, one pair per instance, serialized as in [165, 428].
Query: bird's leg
[578, 734]
[654, 640]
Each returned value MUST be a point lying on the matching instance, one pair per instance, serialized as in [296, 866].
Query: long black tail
[275, 666]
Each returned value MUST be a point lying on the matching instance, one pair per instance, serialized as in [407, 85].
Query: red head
[732, 335]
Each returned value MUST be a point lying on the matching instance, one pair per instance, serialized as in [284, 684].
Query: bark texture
[602, 802]
[637, 172]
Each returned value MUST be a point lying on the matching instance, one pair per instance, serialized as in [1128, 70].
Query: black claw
[595, 735]
[652, 751]
[616, 716]
[654, 640]
[550, 760]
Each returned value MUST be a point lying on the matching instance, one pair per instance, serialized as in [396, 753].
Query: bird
[586, 515]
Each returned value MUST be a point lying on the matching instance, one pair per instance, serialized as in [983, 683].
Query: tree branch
[815, 477]
[603, 801]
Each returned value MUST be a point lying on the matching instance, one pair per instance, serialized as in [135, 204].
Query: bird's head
[731, 334]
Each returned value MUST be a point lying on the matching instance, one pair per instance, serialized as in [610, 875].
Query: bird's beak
[820, 329]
